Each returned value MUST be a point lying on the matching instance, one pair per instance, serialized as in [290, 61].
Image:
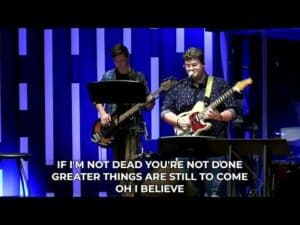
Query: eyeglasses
[193, 65]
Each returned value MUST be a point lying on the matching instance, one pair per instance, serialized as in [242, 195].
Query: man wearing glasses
[191, 90]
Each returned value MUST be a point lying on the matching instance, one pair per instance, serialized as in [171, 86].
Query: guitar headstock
[166, 85]
[241, 85]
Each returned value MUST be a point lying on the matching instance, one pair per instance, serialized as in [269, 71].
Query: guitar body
[108, 134]
[197, 124]
[198, 112]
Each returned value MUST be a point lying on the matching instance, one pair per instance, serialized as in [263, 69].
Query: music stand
[188, 146]
[117, 91]
[204, 147]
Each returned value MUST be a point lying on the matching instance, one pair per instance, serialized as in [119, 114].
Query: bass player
[127, 145]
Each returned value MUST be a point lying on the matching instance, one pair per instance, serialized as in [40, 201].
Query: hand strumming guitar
[184, 123]
[104, 116]
[105, 119]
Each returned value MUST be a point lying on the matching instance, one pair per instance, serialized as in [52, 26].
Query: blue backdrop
[45, 106]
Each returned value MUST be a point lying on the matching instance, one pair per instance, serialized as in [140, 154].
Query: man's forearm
[170, 118]
[100, 108]
[227, 115]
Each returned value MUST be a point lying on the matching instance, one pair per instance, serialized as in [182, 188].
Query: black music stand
[117, 91]
[204, 147]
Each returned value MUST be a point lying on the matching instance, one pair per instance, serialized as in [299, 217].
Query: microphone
[190, 74]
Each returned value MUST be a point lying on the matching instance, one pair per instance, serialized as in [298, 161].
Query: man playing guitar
[191, 90]
[183, 97]
[128, 143]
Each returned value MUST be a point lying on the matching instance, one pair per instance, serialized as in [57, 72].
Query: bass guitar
[106, 135]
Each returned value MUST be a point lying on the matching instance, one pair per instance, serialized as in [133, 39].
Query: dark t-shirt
[136, 121]
[121, 108]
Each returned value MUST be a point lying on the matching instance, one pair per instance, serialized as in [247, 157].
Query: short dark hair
[194, 53]
[119, 49]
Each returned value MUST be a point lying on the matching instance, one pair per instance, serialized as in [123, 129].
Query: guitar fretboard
[136, 108]
[217, 102]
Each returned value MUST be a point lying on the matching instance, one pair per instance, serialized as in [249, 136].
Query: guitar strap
[208, 90]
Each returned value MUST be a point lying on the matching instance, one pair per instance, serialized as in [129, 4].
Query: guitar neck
[219, 100]
[137, 107]
[222, 98]
[130, 112]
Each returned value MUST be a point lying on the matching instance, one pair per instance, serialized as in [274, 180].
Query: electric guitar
[106, 135]
[198, 112]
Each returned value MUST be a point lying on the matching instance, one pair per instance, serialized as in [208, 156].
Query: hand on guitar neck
[213, 115]
[106, 118]
[150, 103]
